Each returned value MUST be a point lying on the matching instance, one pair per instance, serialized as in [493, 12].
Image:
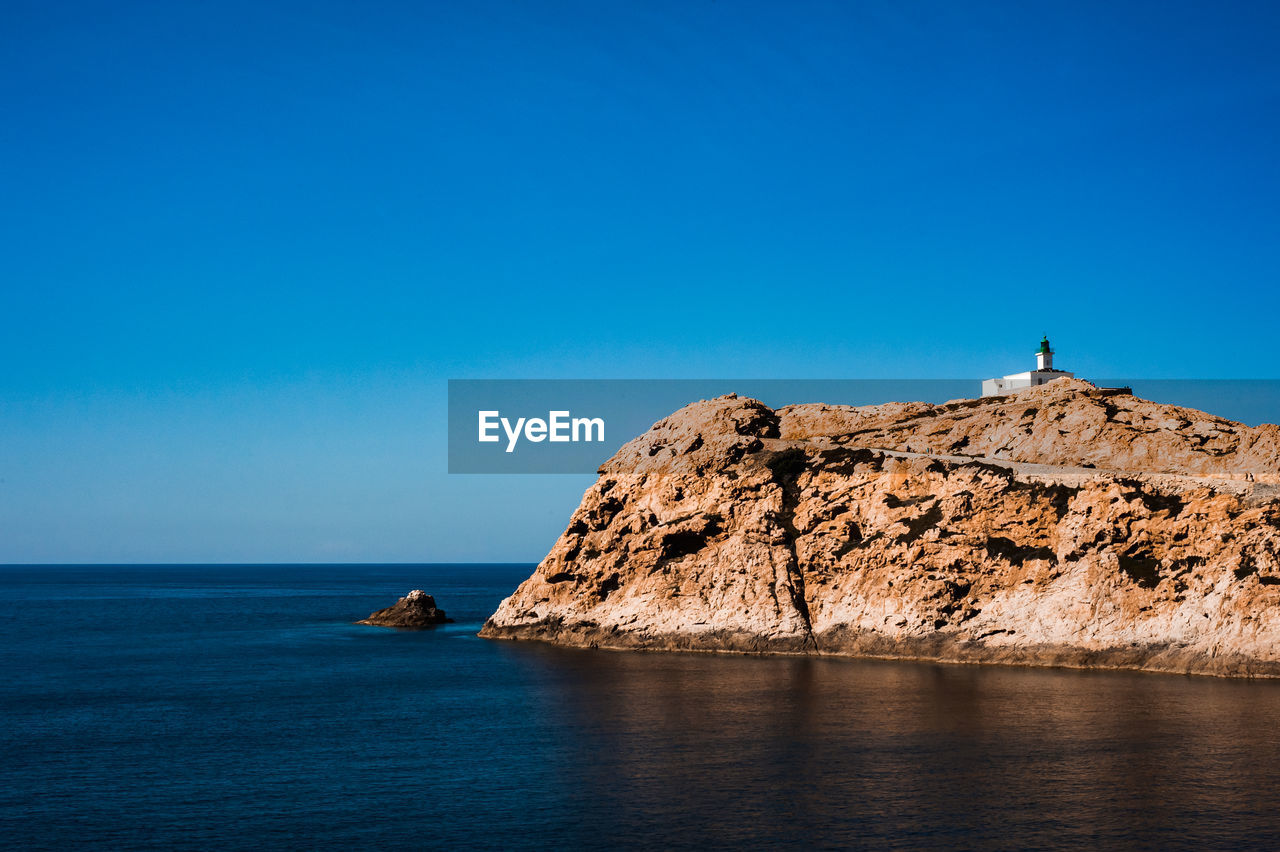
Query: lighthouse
[1044, 372]
[1044, 356]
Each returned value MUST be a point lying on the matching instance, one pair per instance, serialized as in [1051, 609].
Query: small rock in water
[416, 609]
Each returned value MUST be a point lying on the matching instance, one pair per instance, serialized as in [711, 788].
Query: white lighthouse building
[1043, 372]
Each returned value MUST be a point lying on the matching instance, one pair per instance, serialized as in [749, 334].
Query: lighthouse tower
[1044, 372]
[1044, 356]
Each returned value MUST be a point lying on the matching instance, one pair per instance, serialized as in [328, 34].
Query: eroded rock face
[416, 609]
[1102, 530]
[1066, 422]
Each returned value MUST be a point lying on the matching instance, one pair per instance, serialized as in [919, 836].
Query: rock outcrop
[1062, 525]
[416, 609]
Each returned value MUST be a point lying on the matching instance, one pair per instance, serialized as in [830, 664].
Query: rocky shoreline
[1170, 659]
[1064, 525]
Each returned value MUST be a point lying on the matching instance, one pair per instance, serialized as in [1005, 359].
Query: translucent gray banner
[574, 425]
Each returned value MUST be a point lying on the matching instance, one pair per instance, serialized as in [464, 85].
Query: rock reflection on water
[700, 750]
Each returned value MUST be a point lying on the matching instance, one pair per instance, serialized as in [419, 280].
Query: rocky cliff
[1062, 525]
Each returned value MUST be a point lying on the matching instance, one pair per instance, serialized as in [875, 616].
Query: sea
[240, 707]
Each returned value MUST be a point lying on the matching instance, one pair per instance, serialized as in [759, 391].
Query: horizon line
[231, 564]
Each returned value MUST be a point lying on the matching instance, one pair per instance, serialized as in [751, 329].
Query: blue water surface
[239, 707]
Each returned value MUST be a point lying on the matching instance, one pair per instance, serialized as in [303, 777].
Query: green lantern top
[1044, 346]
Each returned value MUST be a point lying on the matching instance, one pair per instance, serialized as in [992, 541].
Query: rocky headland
[1062, 525]
[416, 609]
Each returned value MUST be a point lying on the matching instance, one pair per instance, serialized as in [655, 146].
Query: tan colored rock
[1064, 422]
[1100, 530]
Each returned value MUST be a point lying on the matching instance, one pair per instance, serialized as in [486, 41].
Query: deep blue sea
[238, 707]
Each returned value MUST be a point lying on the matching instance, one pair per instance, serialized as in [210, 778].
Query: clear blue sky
[245, 244]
